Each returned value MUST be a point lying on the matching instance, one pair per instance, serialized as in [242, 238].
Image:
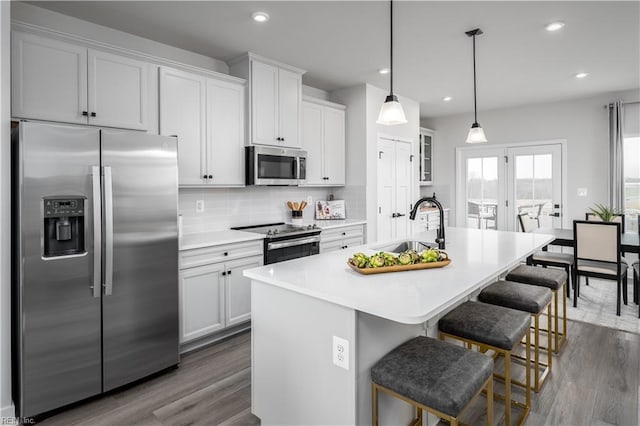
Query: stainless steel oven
[285, 242]
[275, 166]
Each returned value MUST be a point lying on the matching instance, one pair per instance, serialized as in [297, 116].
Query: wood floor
[595, 381]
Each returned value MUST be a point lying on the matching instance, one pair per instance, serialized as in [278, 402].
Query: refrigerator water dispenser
[63, 226]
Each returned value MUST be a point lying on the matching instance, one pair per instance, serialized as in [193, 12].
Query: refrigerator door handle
[108, 231]
[97, 232]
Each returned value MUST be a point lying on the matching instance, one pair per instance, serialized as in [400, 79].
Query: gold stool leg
[549, 357]
[564, 316]
[490, 402]
[507, 386]
[374, 404]
[528, 375]
[536, 353]
[555, 321]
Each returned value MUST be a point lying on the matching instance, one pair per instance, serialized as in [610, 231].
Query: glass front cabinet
[426, 156]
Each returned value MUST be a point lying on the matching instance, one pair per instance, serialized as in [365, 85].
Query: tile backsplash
[227, 207]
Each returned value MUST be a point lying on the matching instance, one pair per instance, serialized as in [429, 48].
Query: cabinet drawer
[342, 233]
[203, 256]
[353, 242]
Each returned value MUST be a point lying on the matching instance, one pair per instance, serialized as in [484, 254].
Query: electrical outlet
[341, 352]
[582, 192]
[309, 200]
[199, 206]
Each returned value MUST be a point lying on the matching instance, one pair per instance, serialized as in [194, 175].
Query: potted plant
[605, 213]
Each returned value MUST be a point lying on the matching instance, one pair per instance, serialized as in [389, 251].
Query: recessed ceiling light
[554, 26]
[260, 16]
[582, 74]
[447, 98]
[384, 71]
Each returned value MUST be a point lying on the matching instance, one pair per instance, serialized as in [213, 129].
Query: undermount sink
[407, 245]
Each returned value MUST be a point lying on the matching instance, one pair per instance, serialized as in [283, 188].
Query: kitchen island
[299, 308]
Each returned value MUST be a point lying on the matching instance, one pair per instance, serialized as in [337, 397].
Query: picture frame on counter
[330, 210]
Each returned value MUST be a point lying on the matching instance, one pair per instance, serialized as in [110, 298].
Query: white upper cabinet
[49, 79]
[182, 113]
[207, 115]
[323, 138]
[225, 132]
[57, 81]
[426, 156]
[290, 103]
[117, 91]
[275, 100]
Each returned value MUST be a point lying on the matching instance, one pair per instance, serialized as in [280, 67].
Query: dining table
[629, 241]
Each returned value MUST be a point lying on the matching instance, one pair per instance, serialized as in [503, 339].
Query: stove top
[281, 229]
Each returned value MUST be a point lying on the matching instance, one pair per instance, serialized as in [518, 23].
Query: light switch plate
[582, 192]
[199, 206]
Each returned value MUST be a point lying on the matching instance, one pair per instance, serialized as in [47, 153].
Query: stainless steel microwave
[275, 166]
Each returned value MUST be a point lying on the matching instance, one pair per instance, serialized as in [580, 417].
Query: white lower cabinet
[341, 238]
[215, 296]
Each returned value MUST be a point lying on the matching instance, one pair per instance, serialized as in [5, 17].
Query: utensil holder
[296, 217]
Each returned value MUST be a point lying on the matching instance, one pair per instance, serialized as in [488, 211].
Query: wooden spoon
[296, 205]
[303, 205]
[289, 205]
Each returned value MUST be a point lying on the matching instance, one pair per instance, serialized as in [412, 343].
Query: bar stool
[495, 328]
[552, 279]
[534, 300]
[434, 376]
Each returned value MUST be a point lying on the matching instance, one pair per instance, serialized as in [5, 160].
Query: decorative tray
[399, 268]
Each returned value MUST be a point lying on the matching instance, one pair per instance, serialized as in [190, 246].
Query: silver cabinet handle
[291, 243]
[108, 231]
[97, 232]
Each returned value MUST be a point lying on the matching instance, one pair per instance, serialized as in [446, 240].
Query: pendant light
[476, 133]
[391, 112]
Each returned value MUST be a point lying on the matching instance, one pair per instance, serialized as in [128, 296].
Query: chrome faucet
[432, 200]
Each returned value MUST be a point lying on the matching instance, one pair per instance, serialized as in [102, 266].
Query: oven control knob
[275, 231]
[269, 232]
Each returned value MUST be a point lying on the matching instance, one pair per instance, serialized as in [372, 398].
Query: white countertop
[410, 297]
[331, 224]
[216, 238]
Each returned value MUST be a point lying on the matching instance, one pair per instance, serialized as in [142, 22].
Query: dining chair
[597, 254]
[548, 258]
[476, 211]
[618, 218]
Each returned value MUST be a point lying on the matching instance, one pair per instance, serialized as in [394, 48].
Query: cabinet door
[201, 301]
[238, 290]
[328, 246]
[290, 105]
[334, 146]
[225, 133]
[264, 104]
[182, 113]
[312, 129]
[49, 79]
[117, 91]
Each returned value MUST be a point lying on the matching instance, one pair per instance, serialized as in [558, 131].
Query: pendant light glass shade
[476, 134]
[391, 112]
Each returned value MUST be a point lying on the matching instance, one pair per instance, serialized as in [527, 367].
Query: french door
[497, 184]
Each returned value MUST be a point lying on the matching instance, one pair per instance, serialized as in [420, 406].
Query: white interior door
[395, 189]
[535, 184]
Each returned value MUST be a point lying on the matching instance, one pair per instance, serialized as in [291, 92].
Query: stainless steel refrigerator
[95, 252]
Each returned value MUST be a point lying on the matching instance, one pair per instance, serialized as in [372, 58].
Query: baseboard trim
[8, 411]
[208, 340]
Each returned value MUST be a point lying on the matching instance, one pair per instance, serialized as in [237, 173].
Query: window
[631, 182]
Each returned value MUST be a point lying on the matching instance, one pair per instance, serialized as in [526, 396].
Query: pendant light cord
[475, 104]
[391, 46]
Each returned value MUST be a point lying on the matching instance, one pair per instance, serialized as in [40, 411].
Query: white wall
[66, 24]
[582, 122]
[363, 106]
[6, 408]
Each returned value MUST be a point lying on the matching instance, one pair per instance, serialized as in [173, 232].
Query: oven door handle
[292, 243]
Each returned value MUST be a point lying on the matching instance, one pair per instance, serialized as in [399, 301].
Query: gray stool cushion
[543, 277]
[553, 257]
[523, 297]
[489, 324]
[433, 373]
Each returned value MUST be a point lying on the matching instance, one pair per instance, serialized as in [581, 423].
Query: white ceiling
[344, 43]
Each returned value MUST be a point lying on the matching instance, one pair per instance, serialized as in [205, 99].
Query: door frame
[460, 178]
